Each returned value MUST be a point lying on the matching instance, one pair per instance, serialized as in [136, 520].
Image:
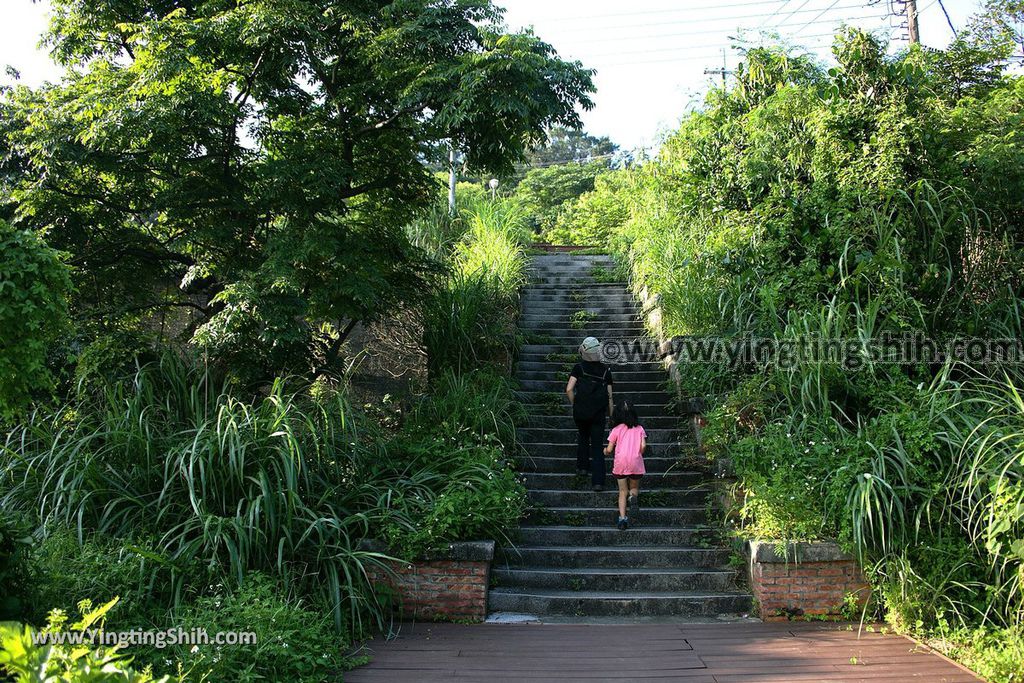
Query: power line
[666, 11]
[823, 12]
[948, 20]
[618, 40]
[708, 21]
[682, 48]
[790, 15]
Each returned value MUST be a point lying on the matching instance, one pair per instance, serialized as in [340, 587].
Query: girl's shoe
[623, 523]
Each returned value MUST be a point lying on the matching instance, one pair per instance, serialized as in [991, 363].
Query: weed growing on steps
[580, 319]
[603, 274]
[538, 339]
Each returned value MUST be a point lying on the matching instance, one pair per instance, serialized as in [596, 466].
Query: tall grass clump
[211, 485]
[469, 321]
[273, 485]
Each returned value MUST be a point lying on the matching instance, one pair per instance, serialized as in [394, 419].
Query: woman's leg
[583, 445]
[623, 491]
[597, 451]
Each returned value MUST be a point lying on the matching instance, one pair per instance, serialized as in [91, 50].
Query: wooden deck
[698, 653]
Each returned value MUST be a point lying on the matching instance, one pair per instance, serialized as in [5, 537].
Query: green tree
[252, 165]
[595, 217]
[565, 144]
[546, 190]
[34, 285]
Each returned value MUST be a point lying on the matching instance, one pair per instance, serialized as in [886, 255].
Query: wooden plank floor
[697, 653]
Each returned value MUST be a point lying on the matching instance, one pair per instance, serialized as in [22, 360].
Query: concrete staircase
[570, 560]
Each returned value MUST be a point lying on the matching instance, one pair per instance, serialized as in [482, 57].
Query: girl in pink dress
[628, 441]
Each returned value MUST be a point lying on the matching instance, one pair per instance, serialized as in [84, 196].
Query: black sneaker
[580, 472]
[598, 488]
[623, 524]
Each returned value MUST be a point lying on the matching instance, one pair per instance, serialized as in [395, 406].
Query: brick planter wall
[445, 586]
[803, 579]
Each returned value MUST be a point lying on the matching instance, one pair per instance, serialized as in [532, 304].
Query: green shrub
[294, 641]
[273, 485]
[468, 320]
[546, 191]
[17, 566]
[595, 217]
[100, 566]
[845, 207]
[35, 283]
[27, 662]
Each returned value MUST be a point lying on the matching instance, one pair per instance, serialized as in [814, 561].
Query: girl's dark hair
[625, 414]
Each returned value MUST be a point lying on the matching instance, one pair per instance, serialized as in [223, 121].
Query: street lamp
[494, 188]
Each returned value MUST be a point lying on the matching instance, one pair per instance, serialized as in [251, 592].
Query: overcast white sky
[650, 54]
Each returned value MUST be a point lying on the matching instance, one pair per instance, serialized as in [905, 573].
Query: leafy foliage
[294, 641]
[246, 171]
[35, 284]
[595, 216]
[545, 190]
[468, 320]
[878, 198]
[28, 662]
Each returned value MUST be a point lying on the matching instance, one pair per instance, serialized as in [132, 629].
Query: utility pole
[451, 178]
[724, 71]
[912, 24]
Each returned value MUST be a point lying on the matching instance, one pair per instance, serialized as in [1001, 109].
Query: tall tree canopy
[565, 144]
[253, 163]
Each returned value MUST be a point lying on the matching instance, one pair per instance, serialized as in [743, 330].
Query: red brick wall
[791, 590]
[440, 589]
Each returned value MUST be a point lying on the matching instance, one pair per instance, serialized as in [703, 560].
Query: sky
[650, 55]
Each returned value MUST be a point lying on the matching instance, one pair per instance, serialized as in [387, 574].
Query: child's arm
[611, 441]
[643, 444]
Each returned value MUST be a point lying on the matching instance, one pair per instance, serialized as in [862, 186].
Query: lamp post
[494, 188]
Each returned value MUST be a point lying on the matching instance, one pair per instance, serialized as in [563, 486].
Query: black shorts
[631, 477]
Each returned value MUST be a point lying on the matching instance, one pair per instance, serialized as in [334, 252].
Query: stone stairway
[570, 560]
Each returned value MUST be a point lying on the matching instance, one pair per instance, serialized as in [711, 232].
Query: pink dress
[628, 459]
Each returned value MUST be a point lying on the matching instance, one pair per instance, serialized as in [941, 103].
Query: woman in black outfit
[590, 394]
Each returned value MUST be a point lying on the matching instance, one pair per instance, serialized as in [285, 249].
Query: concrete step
[618, 603]
[565, 421]
[649, 386]
[570, 259]
[571, 317]
[566, 464]
[557, 314]
[565, 330]
[568, 450]
[621, 326]
[630, 351]
[613, 557]
[609, 536]
[557, 406]
[582, 516]
[561, 481]
[585, 279]
[559, 306]
[562, 374]
[655, 497]
[557, 286]
[569, 436]
[563, 363]
[578, 579]
[623, 338]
